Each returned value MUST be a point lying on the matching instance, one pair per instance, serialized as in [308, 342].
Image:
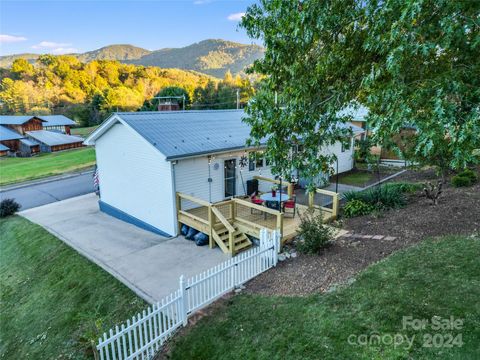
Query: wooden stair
[221, 237]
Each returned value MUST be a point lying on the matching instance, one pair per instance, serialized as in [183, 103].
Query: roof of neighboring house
[4, 148]
[9, 134]
[57, 120]
[52, 138]
[357, 111]
[29, 142]
[16, 119]
[179, 134]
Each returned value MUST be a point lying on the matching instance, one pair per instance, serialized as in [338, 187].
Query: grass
[53, 300]
[439, 277]
[14, 170]
[83, 131]
[358, 178]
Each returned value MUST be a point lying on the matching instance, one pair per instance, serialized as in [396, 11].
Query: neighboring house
[358, 114]
[10, 139]
[4, 150]
[59, 123]
[145, 158]
[28, 135]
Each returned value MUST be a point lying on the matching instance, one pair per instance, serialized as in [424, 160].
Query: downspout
[174, 187]
[209, 179]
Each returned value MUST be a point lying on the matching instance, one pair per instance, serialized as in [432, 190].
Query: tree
[410, 62]
[22, 67]
[174, 91]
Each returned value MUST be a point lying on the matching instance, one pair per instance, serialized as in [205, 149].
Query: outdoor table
[268, 197]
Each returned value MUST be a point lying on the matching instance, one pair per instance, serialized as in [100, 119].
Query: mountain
[114, 52]
[213, 57]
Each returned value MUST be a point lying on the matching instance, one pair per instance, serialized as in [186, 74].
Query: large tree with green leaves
[411, 62]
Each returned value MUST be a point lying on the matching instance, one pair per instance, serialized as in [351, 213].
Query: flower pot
[274, 193]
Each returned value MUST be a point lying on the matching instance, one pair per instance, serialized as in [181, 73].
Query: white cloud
[11, 38]
[201, 2]
[64, 50]
[236, 16]
[50, 45]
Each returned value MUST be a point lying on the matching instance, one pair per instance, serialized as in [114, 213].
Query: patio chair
[290, 204]
[255, 200]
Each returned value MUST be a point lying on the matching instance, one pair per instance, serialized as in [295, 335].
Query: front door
[229, 177]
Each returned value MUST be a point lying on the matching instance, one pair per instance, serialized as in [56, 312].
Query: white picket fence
[142, 336]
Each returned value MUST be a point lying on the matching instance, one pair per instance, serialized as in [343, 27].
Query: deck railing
[335, 202]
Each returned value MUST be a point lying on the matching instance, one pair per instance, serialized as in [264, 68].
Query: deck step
[240, 240]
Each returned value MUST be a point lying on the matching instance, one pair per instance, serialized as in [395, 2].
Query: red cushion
[257, 201]
[290, 204]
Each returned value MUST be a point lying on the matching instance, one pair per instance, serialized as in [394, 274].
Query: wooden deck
[290, 224]
[228, 222]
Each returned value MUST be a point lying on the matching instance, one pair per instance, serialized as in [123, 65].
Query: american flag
[96, 180]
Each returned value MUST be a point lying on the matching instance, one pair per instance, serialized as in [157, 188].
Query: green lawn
[14, 170]
[356, 178]
[84, 131]
[53, 300]
[435, 278]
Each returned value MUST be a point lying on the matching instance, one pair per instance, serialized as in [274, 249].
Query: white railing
[142, 337]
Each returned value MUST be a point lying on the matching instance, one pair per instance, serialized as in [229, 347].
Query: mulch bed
[458, 212]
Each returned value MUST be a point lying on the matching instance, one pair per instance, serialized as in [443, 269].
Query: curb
[45, 180]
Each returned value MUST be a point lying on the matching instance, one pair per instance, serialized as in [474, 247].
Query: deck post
[335, 204]
[311, 195]
[178, 202]
[233, 210]
[231, 243]
[290, 189]
[211, 243]
[280, 223]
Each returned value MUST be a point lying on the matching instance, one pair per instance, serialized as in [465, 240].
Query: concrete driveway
[145, 262]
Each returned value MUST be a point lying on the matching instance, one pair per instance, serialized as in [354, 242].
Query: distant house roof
[57, 120]
[8, 134]
[52, 138]
[16, 119]
[179, 134]
[3, 148]
[29, 142]
[357, 111]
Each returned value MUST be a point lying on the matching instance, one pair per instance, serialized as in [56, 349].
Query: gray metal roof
[56, 120]
[3, 148]
[8, 134]
[187, 133]
[14, 119]
[51, 138]
[357, 111]
[178, 134]
[29, 142]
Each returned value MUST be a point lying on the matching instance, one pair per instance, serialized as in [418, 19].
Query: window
[259, 159]
[251, 161]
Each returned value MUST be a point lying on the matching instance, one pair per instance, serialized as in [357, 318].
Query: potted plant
[274, 191]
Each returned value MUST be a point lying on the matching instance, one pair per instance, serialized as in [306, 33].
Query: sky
[77, 26]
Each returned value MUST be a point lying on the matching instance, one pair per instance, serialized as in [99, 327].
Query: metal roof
[56, 120]
[14, 119]
[357, 111]
[178, 134]
[29, 142]
[3, 148]
[51, 138]
[8, 134]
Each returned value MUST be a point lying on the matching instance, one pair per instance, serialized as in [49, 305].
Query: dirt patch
[458, 212]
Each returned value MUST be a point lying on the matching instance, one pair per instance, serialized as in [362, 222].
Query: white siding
[191, 176]
[345, 159]
[135, 178]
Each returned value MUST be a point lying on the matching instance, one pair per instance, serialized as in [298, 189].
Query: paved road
[35, 195]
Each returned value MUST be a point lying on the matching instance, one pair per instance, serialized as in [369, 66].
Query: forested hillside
[213, 57]
[88, 92]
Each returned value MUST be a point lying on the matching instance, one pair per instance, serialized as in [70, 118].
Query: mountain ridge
[211, 56]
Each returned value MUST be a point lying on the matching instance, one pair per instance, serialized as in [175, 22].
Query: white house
[144, 158]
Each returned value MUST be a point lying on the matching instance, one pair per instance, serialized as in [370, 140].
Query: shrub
[461, 181]
[470, 174]
[8, 207]
[385, 196]
[357, 208]
[313, 234]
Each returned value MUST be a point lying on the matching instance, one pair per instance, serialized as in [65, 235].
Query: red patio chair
[255, 200]
[290, 204]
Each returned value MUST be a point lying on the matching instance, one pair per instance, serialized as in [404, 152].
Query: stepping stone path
[373, 237]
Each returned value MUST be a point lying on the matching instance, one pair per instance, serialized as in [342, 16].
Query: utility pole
[238, 99]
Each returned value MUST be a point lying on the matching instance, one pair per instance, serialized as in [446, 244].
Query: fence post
[184, 302]
[276, 246]
[335, 206]
[311, 195]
